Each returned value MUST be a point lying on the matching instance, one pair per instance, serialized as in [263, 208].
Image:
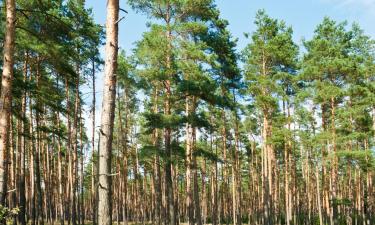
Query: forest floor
[147, 223]
[139, 223]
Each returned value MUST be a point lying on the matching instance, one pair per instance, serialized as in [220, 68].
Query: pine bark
[6, 96]
[108, 113]
[171, 219]
[93, 167]
[188, 161]
[22, 152]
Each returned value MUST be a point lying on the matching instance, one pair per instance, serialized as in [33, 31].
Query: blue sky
[302, 15]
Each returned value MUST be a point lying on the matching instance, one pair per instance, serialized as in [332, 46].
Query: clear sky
[302, 15]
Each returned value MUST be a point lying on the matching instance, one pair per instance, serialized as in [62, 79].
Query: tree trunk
[60, 174]
[38, 148]
[93, 172]
[171, 219]
[124, 145]
[318, 196]
[156, 174]
[237, 206]
[334, 164]
[188, 158]
[6, 96]
[74, 148]
[108, 113]
[22, 152]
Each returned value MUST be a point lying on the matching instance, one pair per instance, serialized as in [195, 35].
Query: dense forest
[193, 130]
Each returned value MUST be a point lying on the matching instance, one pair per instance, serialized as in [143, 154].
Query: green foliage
[203, 151]
[319, 107]
[7, 214]
[363, 159]
[270, 60]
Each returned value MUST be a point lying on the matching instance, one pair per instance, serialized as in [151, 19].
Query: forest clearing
[190, 125]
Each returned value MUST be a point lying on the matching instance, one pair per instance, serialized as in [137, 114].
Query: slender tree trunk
[334, 164]
[93, 159]
[204, 192]
[156, 174]
[318, 196]
[324, 168]
[22, 152]
[6, 96]
[237, 216]
[108, 113]
[32, 162]
[171, 219]
[81, 206]
[38, 148]
[124, 144]
[74, 148]
[68, 155]
[13, 164]
[224, 189]
[214, 185]
[268, 154]
[188, 159]
[60, 174]
[197, 205]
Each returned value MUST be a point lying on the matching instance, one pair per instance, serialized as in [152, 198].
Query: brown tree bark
[171, 219]
[108, 113]
[6, 96]
[93, 168]
[156, 167]
[237, 188]
[74, 150]
[22, 153]
[38, 148]
[61, 181]
[188, 162]
[124, 146]
[334, 164]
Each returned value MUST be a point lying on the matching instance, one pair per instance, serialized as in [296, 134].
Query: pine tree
[335, 58]
[189, 134]
[270, 54]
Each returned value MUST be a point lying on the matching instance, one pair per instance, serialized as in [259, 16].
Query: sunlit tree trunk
[188, 161]
[94, 185]
[108, 113]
